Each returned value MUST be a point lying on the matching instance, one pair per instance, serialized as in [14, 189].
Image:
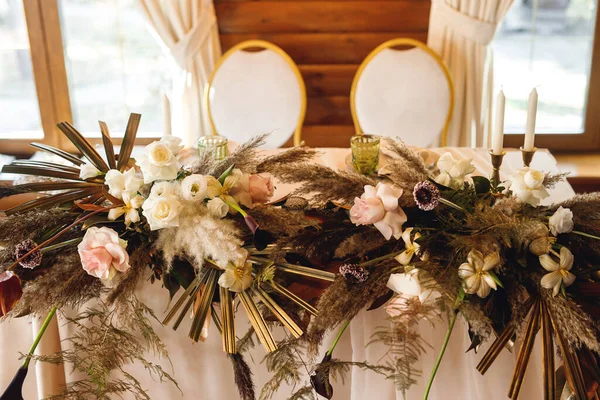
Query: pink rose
[379, 206]
[103, 253]
[261, 187]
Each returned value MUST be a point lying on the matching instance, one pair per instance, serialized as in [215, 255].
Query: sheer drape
[188, 28]
[460, 31]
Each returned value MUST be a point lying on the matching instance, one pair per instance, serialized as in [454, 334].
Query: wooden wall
[328, 40]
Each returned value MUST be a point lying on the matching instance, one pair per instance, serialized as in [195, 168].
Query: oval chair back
[403, 93]
[256, 92]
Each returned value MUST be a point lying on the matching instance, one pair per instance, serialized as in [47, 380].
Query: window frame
[42, 19]
[589, 139]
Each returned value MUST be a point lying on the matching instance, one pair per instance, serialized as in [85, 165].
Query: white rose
[173, 142]
[87, 171]
[162, 212]
[528, 186]
[119, 182]
[159, 161]
[561, 221]
[165, 189]
[194, 187]
[217, 207]
[453, 172]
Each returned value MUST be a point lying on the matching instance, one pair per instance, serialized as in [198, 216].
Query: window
[550, 44]
[92, 60]
[20, 114]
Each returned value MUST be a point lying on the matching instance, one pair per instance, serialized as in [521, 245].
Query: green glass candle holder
[217, 145]
[365, 153]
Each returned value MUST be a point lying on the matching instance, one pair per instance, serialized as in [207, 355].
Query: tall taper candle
[531, 114]
[498, 138]
[166, 106]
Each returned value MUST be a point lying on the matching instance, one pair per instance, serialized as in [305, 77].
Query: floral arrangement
[423, 242]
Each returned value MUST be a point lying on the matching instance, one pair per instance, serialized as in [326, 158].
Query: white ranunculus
[194, 187]
[453, 172]
[528, 186]
[159, 161]
[162, 211]
[561, 221]
[217, 207]
[119, 182]
[87, 171]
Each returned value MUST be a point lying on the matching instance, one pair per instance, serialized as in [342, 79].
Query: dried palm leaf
[52, 200]
[128, 140]
[83, 146]
[58, 152]
[108, 145]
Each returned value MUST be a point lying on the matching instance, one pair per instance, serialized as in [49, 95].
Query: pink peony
[261, 187]
[103, 253]
[379, 206]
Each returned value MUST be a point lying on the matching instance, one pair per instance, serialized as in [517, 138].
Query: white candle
[498, 137]
[531, 114]
[166, 106]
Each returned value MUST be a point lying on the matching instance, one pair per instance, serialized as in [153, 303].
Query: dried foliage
[105, 341]
[243, 377]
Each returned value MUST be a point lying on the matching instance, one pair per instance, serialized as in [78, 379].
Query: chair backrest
[255, 92]
[403, 93]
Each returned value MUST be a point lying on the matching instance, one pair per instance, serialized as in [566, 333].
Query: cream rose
[103, 253]
[119, 182]
[453, 172]
[194, 187]
[561, 221]
[528, 186]
[87, 171]
[159, 161]
[161, 212]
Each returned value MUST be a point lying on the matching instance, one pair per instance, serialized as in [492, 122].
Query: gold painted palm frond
[72, 188]
[200, 293]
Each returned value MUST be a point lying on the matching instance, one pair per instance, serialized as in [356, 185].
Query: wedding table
[203, 371]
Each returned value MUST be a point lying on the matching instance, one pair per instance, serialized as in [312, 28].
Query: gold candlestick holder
[496, 164]
[527, 155]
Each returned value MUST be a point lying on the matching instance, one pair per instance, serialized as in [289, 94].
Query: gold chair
[404, 93]
[254, 92]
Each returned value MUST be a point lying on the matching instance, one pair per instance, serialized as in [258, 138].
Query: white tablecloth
[204, 372]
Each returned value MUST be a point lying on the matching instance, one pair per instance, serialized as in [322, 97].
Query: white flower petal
[548, 263]
[405, 257]
[550, 280]
[484, 290]
[566, 258]
[568, 279]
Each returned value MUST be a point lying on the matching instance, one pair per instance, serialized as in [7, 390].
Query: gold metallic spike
[547, 354]
[257, 321]
[298, 269]
[525, 352]
[291, 296]
[571, 364]
[190, 300]
[496, 348]
[501, 341]
[227, 315]
[278, 312]
[204, 300]
[189, 292]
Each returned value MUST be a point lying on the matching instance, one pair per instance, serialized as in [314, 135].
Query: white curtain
[188, 28]
[460, 31]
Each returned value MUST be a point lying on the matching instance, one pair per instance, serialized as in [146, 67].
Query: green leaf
[171, 284]
[225, 174]
[496, 279]
[482, 184]
[184, 273]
